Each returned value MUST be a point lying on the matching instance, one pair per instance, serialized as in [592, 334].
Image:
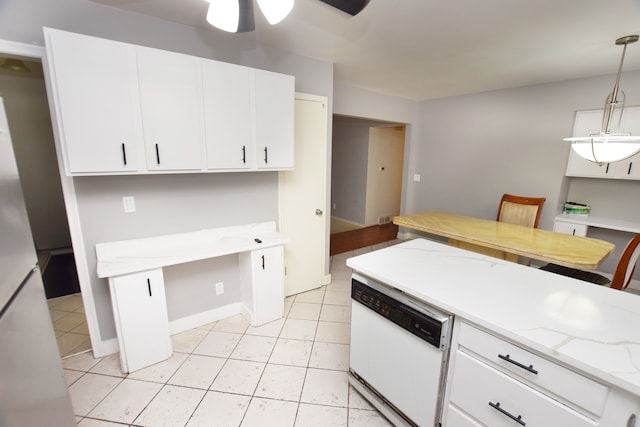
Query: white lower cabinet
[493, 382]
[262, 284]
[140, 312]
[570, 228]
[496, 399]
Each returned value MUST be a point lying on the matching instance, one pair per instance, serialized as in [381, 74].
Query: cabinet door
[228, 116]
[171, 109]
[268, 284]
[94, 86]
[629, 168]
[569, 228]
[274, 104]
[140, 311]
[262, 284]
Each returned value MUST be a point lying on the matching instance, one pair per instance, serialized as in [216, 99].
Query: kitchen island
[582, 340]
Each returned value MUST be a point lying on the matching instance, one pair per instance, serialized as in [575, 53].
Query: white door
[303, 198]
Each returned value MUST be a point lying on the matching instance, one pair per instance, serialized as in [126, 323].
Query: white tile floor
[290, 372]
[69, 324]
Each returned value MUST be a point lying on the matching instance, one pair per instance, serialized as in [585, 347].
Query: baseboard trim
[203, 318]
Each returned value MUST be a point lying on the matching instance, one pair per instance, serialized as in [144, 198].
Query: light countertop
[591, 328]
[130, 256]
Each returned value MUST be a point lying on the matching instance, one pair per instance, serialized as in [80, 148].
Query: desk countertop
[591, 328]
[543, 245]
[130, 256]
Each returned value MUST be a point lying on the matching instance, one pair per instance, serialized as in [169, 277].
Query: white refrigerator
[33, 390]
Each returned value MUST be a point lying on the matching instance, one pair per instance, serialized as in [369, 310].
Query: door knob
[318, 212]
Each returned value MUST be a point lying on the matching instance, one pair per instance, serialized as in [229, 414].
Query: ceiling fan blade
[352, 7]
[246, 23]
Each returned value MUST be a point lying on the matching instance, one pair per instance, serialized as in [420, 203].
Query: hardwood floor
[361, 238]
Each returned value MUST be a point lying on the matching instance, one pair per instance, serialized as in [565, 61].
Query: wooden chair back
[520, 210]
[627, 264]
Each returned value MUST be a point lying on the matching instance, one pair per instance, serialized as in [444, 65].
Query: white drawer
[497, 400]
[557, 380]
[457, 418]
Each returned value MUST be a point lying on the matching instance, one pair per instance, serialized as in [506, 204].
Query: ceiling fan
[236, 16]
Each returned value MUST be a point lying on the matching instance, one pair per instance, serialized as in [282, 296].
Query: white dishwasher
[399, 352]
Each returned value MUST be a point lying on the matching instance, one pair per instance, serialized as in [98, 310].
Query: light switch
[129, 204]
[416, 177]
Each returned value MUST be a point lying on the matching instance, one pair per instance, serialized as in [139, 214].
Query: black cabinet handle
[244, 154]
[629, 171]
[518, 364]
[263, 262]
[157, 154]
[124, 154]
[607, 169]
[149, 286]
[517, 419]
[265, 156]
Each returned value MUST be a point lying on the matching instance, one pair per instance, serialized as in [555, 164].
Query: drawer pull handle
[149, 286]
[518, 364]
[157, 154]
[517, 419]
[630, 166]
[263, 262]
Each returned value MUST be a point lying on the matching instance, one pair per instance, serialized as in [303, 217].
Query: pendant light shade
[275, 10]
[224, 14]
[612, 143]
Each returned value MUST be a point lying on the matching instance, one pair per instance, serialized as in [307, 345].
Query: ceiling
[424, 49]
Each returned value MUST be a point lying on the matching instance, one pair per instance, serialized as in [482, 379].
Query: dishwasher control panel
[432, 329]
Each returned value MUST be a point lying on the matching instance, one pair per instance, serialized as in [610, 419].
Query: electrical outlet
[219, 288]
[416, 177]
[129, 204]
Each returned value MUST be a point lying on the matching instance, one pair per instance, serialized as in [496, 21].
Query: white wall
[181, 202]
[476, 147]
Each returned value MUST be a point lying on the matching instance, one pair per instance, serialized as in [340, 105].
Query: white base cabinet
[140, 312]
[494, 382]
[570, 228]
[262, 284]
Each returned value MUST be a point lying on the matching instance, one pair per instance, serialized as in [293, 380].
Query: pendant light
[611, 144]
[236, 16]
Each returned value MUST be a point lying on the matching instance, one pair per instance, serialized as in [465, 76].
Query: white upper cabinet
[274, 103]
[126, 109]
[171, 109]
[228, 115]
[94, 88]
[589, 122]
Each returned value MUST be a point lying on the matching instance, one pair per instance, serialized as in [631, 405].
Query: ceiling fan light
[275, 10]
[224, 14]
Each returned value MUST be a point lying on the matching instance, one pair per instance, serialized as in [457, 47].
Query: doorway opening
[25, 98]
[366, 181]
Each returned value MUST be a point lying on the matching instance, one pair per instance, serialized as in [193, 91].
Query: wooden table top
[558, 248]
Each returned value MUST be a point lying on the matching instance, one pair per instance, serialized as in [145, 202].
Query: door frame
[100, 348]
